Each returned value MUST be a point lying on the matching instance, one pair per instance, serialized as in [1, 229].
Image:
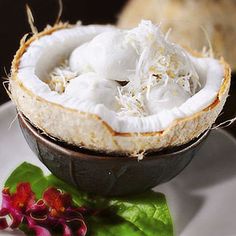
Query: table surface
[228, 112]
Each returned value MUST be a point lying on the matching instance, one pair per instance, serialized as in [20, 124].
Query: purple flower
[54, 212]
[15, 205]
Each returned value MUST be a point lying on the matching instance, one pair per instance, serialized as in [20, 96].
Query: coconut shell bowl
[108, 174]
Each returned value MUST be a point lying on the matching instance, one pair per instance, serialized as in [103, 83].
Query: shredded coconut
[60, 77]
[159, 62]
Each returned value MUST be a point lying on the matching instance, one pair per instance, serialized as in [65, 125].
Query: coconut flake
[59, 11]
[31, 20]
[159, 62]
[60, 77]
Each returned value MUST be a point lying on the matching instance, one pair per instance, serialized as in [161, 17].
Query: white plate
[201, 199]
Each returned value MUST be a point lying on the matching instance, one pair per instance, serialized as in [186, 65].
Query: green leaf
[146, 214]
[111, 226]
[27, 172]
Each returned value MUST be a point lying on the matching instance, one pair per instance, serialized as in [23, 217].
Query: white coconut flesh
[134, 80]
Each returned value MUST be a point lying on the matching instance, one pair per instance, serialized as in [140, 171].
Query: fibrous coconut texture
[113, 90]
[190, 21]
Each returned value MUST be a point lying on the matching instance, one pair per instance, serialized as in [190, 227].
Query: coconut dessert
[112, 90]
[189, 19]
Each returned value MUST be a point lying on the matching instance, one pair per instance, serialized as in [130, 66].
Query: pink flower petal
[82, 231]
[6, 202]
[4, 212]
[57, 200]
[39, 230]
[66, 230]
[38, 211]
[17, 218]
[79, 224]
[23, 197]
[8, 209]
[3, 223]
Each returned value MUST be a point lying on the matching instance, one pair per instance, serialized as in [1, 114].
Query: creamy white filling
[107, 55]
[96, 92]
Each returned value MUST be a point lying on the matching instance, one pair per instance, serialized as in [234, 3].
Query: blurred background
[14, 24]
